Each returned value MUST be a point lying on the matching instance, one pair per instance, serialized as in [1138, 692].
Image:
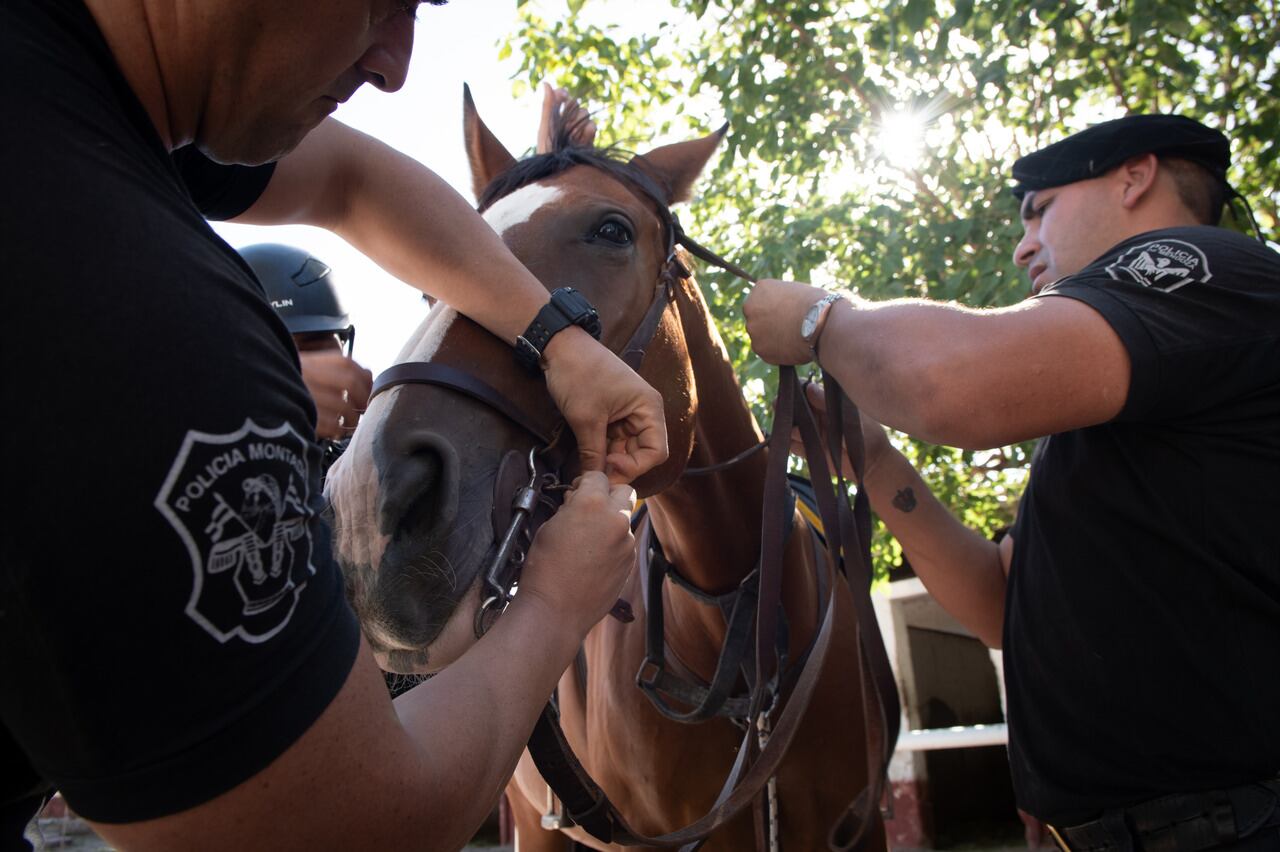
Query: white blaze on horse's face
[353, 485]
[519, 207]
[423, 343]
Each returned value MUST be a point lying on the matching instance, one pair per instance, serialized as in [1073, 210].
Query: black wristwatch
[567, 307]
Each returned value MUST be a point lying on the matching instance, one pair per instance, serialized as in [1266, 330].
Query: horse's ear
[677, 166]
[487, 155]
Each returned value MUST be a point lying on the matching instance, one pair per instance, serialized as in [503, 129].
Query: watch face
[810, 321]
[571, 303]
[574, 307]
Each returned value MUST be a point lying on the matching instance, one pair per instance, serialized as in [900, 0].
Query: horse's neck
[709, 525]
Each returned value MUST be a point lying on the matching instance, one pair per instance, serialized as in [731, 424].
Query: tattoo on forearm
[905, 500]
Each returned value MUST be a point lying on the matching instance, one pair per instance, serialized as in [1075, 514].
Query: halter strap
[664, 294]
[441, 375]
[430, 373]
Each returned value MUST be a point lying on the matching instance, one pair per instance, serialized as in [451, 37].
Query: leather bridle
[848, 533]
[513, 533]
[544, 460]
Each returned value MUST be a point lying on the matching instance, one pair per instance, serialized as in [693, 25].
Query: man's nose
[1025, 250]
[386, 62]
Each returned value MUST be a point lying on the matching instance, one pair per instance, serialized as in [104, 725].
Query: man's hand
[773, 311]
[340, 388]
[875, 441]
[615, 415]
[581, 557]
[556, 104]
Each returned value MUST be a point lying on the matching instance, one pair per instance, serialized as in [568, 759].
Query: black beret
[1101, 148]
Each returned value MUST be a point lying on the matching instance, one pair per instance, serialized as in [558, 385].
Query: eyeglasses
[318, 341]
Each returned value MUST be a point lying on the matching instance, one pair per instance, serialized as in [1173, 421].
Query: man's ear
[1138, 176]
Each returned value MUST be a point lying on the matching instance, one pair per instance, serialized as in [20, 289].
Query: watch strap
[566, 307]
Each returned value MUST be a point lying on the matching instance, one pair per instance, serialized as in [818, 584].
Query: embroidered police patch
[1162, 265]
[239, 503]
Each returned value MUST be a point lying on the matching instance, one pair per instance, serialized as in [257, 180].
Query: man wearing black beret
[1137, 598]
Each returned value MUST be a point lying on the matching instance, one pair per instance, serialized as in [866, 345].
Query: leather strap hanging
[586, 804]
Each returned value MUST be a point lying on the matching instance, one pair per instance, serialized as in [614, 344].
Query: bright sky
[453, 44]
[456, 44]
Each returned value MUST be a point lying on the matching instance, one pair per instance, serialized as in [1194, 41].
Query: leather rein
[758, 655]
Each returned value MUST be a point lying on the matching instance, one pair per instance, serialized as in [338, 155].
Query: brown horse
[414, 500]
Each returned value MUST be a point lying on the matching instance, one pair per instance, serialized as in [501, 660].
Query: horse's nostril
[419, 475]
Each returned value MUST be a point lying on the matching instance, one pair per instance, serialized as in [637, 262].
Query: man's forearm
[904, 363]
[472, 720]
[414, 225]
[973, 378]
[407, 219]
[961, 570]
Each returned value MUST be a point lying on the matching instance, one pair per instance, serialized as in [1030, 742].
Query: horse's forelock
[563, 131]
[612, 160]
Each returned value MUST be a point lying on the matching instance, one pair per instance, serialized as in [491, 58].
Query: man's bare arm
[963, 571]
[413, 224]
[953, 375]
[407, 219]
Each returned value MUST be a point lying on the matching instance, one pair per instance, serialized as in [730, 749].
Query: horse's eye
[614, 232]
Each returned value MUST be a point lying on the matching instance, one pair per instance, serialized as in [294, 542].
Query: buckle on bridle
[504, 569]
[650, 671]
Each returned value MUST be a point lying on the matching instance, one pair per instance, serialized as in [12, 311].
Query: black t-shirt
[171, 617]
[1142, 622]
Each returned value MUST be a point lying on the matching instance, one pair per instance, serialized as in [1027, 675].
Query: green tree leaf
[809, 183]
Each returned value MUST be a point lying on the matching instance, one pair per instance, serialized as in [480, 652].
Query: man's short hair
[1199, 190]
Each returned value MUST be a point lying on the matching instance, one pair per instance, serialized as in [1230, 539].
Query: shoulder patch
[1162, 265]
[240, 504]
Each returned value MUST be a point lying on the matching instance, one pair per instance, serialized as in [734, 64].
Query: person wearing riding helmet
[1137, 597]
[137, 548]
[302, 290]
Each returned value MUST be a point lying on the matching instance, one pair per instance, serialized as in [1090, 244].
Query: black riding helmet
[301, 289]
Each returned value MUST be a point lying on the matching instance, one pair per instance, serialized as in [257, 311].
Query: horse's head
[428, 478]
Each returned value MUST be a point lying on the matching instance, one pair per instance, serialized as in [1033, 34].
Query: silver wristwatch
[815, 320]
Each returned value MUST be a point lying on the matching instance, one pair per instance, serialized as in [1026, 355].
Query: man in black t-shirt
[1137, 598]
[176, 654]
